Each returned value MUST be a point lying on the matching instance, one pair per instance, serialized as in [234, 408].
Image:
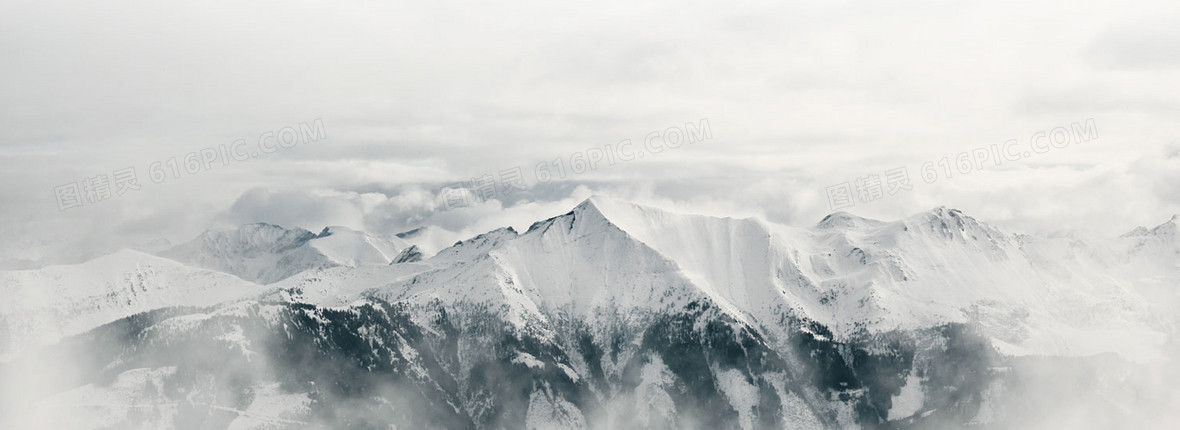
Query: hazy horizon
[797, 97]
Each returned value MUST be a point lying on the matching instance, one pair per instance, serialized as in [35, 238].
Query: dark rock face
[376, 364]
[408, 255]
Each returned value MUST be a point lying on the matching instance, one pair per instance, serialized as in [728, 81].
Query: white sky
[413, 96]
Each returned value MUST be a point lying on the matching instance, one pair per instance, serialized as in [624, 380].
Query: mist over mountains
[613, 315]
[472, 215]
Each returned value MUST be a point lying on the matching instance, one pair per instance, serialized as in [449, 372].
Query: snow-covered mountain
[617, 315]
[853, 275]
[266, 253]
[430, 239]
[43, 305]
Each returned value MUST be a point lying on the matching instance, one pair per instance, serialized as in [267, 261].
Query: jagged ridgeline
[611, 316]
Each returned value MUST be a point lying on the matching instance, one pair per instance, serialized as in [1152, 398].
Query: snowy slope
[856, 276]
[942, 265]
[578, 265]
[40, 306]
[348, 247]
[620, 313]
[430, 239]
[267, 253]
[341, 285]
[939, 266]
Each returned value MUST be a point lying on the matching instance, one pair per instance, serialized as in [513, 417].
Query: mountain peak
[429, 238]
[467, 249]
[945, 214]
[1168, 228]
[266, 253]
[634, 219]
[254, 227]
[950, 223]
[589, 209]
[1137, 231]
[334, 229]
[841, 219]
[257, 235]
[942, 211]
[608, 208]
[411, 254]
[589, 206]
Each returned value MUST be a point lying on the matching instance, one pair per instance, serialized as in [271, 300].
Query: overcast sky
[798, 97]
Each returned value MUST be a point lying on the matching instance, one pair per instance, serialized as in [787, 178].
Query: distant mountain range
[614, 315]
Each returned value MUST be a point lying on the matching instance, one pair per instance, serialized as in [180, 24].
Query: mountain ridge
[617, 315]
[934, 267]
